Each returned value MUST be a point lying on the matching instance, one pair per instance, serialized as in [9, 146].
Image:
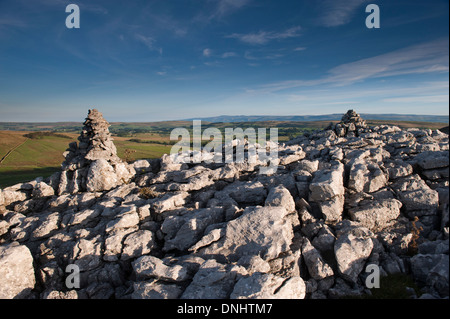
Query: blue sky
[173, 59]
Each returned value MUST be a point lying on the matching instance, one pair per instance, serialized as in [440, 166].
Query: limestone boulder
[17, 277]
[376, 214]
[352, 248]
[327, 183]
[101, 176]
[264, 231]
[268, 286]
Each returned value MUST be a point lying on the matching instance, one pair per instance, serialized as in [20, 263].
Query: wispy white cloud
[423, 98]
[263, 54]
[218, 10]
[338, 12]
[264, 37]
[164, 22]
[207, 52]
[149, 42]
[429, 57]
[8, 21]
[229, 55]
[213, 63]
[225, 7]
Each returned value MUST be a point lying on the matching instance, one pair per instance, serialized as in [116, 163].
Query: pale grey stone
[398, 169]
[332, 209]
[4, 227]
[137, 244]
[210, 237]
[376, 215]
[13, 196]
[432, 160]
[254, 264]
[24, 229]
[54, 294]
[86, 254]
[2, 198]
[212, 281]
[84, 217]
[184, 231]
[16, 271]
[268, 286]
[327, 184]
[169, 201]
[325, 239]
[366, 177]
[124, 172]
[250, 193]
[47, 224]
[415, 194]
[317, 267]
[263, 231]
[142, 166]
[154, 290]
[101, 176]
[351, 250]
[43, 190]
[152, 267]
[280, 196]
[124, 220]
[114, 243]
[307, 165]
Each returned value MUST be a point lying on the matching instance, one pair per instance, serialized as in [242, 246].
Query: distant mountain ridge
[75, 126]
[326, 117]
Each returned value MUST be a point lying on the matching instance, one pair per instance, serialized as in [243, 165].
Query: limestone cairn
[351, 124]
[95, 143]
[93, 164]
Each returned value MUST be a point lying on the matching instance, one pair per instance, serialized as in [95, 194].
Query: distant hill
[167, 126]
[327, 117]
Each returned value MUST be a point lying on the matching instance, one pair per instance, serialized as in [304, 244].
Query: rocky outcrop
[340, 199]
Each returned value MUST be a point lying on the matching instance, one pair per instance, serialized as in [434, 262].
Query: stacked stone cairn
[93, 164]
[351, 125]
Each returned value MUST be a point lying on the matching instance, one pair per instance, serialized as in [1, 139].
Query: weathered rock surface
[317, 267]
[351, 249]
[150, 266]
[262, 231]
[334, 202]
[16, 271]
[376, 215]
[268, 286]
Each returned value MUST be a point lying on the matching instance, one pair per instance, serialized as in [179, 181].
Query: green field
[40, 154]
[43, 156]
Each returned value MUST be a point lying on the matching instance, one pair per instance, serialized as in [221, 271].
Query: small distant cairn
[350, 125]
[93, 164]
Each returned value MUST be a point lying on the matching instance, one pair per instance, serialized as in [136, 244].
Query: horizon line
[240, 115]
